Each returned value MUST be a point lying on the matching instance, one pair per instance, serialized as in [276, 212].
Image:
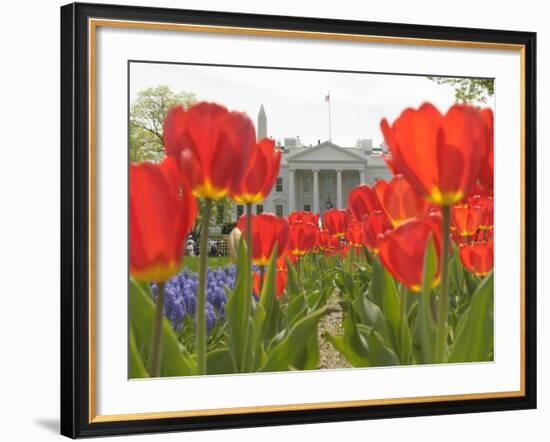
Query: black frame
[75, 220]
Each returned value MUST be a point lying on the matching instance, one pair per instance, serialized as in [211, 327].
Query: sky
[294, 101]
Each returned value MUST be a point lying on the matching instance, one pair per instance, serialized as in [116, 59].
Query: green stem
[404, 295]
[261, 279]
[201, 296]
[443, 306]
[299, 271]
[249, 244]
[154, 363]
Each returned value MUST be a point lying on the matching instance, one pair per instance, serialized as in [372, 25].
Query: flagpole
[329, 119]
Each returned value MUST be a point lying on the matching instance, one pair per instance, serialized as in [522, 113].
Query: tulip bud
[233, 243]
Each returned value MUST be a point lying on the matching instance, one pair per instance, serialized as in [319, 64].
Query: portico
[321, 187]
[319, 177]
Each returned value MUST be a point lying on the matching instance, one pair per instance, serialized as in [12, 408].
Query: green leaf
[354, 358]
[425, 328]
[220, 361]
[309, 358]
[237, 312]
[471, 282]
[314, 298]
[142, 311]
[379, 351]
[384, 294]
[474, 332]
[391, 302]
[268, 302]
[137, 368]
[413, 310]
[255, 339]
[292, 284]
[405, 343]
[287, 352]
[371, 316]
[351, 344]
[297, 309]
[376, 288]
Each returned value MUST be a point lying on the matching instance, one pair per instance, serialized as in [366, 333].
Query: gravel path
[331, 322]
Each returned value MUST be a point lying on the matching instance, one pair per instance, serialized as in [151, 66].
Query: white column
[362, 177]
[291, 190]
[338, 188]
[315, 190]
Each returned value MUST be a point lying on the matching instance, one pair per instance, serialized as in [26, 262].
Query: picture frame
[80, 176]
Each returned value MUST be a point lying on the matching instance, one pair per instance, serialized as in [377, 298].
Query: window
[279, 209]
[279, 185]
[259, 208]
[307, 207]
[240, 210]
[307, 185]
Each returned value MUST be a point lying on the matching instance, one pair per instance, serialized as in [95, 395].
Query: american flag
[327, 98]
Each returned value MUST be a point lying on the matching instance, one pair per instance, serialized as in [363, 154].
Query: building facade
[317, 178]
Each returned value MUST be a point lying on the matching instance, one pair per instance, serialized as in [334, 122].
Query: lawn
[191, 263]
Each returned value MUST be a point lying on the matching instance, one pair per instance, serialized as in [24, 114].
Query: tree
[469, 90]
[147, 115]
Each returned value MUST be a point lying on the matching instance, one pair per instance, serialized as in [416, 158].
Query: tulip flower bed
[409, 262]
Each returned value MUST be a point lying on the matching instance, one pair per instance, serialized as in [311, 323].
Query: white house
[317, 178]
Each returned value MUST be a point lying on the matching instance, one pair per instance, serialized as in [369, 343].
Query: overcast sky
[294, 101]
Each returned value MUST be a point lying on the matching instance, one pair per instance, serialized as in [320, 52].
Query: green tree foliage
[147, 115]
[469, 90]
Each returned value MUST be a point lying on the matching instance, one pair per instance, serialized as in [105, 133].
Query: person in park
[190, 247]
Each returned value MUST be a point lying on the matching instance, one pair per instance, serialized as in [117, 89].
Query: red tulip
[321, 238]
[281, 278]
[326, 242]
[439, 155]
[390, 163]
[477, 257]
[486, 175]
[399, 200]
[362, 201]
[466, 220]
[281, 263]
[435, 221]
[336, 221]
[301, 238]
[487, 206]
[354, 235]
[306, 217]
[478, 191]
[374, 225]
[260, 174]
[333, 245]
[212, 146]
[267, 230]
[402, 251]
[162, 211]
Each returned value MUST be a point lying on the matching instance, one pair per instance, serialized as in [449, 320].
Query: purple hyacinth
[181, 295]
